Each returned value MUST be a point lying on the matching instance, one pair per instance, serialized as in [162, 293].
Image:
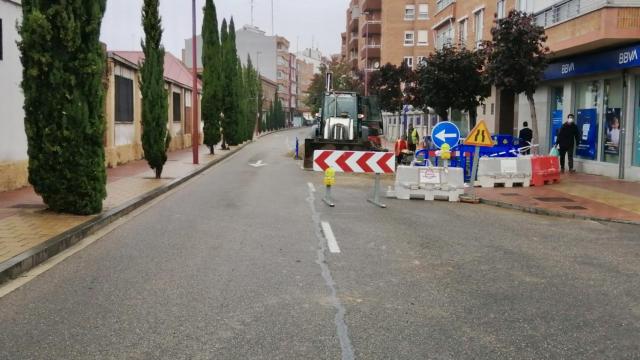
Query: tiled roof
[175, 71]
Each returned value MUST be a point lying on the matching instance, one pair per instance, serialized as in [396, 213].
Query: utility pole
[195, 128]
[251, 12]
[366, 55]
[273, 31]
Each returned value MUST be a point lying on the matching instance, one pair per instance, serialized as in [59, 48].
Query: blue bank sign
[624, 58]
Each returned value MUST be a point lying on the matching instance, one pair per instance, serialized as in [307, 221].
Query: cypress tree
[63, 65]
[155, 135]
[231, 106]
[212, 92]
[252, 95]
[241, 89]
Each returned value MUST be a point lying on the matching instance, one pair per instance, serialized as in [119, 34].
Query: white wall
[541, 98]
[13, 140]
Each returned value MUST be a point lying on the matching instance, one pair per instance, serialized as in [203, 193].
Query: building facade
[13, 140]
[595, 75]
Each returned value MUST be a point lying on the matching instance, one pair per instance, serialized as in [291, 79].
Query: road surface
[236, 265]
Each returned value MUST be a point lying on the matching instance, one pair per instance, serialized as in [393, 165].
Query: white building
[311, 56]
[250, 42]
[13, 140]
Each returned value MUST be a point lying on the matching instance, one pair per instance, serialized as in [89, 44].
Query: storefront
[603, 91]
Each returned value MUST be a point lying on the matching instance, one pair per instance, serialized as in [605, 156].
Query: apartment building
[287, 77]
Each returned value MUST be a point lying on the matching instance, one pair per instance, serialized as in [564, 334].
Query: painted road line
[331, 239]
[311, 187]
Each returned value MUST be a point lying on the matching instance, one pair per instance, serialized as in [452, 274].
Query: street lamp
[195, 131]
[366, 55]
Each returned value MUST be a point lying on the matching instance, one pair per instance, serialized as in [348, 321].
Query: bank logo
[567, 68]
[628, 56]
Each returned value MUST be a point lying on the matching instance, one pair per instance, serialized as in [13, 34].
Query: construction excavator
[348, 121]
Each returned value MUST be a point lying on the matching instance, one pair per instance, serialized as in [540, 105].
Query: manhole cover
[554, 199]
[510, 194]
[575, 207]
[28, 206]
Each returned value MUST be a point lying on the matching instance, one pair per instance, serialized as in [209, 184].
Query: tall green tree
[63, 65]
[212, 86]
[452, 78]
[386, 84]
[243, 104]
[517, 57]
[155, 135]
[231, 84]
[253, 96]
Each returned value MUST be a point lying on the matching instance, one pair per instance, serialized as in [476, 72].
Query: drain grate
[510, 194]
[575, 207]
[28, 206]
[554, 199]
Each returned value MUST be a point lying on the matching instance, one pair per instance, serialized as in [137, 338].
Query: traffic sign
[445, 132]
[479, 136]
[354, 161]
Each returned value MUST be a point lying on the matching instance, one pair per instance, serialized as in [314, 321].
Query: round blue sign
[445, 132]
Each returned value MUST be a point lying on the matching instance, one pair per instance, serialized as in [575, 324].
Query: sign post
[478, 137]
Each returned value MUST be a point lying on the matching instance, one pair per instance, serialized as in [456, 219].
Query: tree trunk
[158, 172]
[473, 117]
[534, 119]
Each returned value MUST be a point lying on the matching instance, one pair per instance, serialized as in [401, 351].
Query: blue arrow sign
[445, 133]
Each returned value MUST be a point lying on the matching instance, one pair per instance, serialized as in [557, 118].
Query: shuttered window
[124, 99]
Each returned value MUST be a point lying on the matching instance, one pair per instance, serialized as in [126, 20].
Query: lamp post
[195, 128]
[366, 55]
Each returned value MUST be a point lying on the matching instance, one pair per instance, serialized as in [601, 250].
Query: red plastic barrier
[545, 169]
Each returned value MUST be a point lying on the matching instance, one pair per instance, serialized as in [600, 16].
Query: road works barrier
[428, 183]
[505, 172]
[363, 162]
[545, 169]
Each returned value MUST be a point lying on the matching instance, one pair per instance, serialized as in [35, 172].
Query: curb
[554, 213]
[12, 268]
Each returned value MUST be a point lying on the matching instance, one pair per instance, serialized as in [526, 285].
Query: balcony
[369, 5]
[354, 17]
[371, 25]
[353, 41]
[442, 4]
[575, 26]
[371, 49]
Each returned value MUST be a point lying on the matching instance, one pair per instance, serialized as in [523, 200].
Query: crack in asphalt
[341, 326]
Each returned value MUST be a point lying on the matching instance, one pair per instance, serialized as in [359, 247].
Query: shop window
[556, 115]
[612, 112]
[636, 132]
[177, 108]
[124, 100]
[587, 115]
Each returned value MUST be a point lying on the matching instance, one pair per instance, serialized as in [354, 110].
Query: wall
[13, 140]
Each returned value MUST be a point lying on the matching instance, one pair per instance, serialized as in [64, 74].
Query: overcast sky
[297, 20]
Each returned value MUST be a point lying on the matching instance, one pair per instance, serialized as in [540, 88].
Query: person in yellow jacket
[415, 138]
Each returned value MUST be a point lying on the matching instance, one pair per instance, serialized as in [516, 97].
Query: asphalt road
[234, 265]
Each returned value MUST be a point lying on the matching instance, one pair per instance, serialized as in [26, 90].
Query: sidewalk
[577, 195]
[26, 224]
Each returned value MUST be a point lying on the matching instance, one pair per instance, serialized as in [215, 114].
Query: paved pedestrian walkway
[26, 223]
[576, 195]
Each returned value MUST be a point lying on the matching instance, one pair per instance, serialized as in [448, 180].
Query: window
[421, 60]
[423, 12]
[177, 108]
[423, 37]
[463, 32]
[409, 12]
[409, 61]
[124, 100]
[587, 118]
[479, 24]
[501, 9]
[408, 38]
[613, 110]
[444, 37]
[280, 75]
[441, 4]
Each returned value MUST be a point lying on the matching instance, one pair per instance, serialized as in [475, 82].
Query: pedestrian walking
[412, 144]
[526, 135]
[568, 138]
